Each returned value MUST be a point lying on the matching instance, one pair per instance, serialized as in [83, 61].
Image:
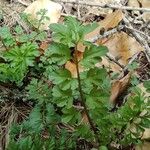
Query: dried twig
[78, 9]
[114, 60]
[23, 3]
[105, 5]
[140, 32]
[106, 34]
[138, 38]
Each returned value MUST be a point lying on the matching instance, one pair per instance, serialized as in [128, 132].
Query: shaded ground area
[135, 26]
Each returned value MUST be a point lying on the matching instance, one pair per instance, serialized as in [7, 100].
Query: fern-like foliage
[68, 109]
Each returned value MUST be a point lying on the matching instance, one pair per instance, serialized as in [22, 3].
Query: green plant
[21, 50]
[63, 102]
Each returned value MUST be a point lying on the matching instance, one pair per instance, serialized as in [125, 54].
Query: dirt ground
[135, 26]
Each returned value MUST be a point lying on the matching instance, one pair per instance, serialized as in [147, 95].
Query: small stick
[138, 38]
[78, 9]
[115, 61]
[23, 3]
[140, 32]
[106, 34]
[106, 5]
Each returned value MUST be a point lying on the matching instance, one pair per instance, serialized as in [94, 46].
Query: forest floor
[124, 30]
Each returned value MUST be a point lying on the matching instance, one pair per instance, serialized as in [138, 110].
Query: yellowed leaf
[54, 11]
[122, 46]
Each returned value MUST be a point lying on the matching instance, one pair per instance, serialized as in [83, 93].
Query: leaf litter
[122, 45]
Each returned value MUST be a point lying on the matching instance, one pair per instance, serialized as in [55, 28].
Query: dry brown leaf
[111, 21]
[144, 146]
[112, 67]
[102, 11]
[44, 45]
[141, 3]
[84, 118]
[54, 11]
[71, 66]
[134, 3]
[146, 134]
[145, 4]
[107, 1]
[118, 87]
[122, 46]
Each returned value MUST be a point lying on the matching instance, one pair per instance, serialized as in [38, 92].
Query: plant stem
[4, 44]
[83, 100]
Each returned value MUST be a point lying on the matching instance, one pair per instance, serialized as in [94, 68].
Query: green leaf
[63, 78]
[39, 91]
[41, 36]
[62, 34]
[63, 97]
[92, 55]
[58, 53]
[6, 36]
[5, 32]
[103, 148]
[60, 76]
[35, 120]
[89, 28]
[145, 123]
[18, 30]
[97, 99]
[95, 76]
[71, 115]
[23, 56]
[51, 116]
[71, 32]
[25, 143]
[147, 85]
[83, 131]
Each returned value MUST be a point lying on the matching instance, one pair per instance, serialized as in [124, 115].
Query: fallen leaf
[71, 66]
[118, 87]
[143, 4]
[53, 12]
[102, 11]
[146, 134]
[111, 66]
[134, 3]
[84, 118]
[122, 46]
[144, 146]
[44, 45]
[111, 21]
